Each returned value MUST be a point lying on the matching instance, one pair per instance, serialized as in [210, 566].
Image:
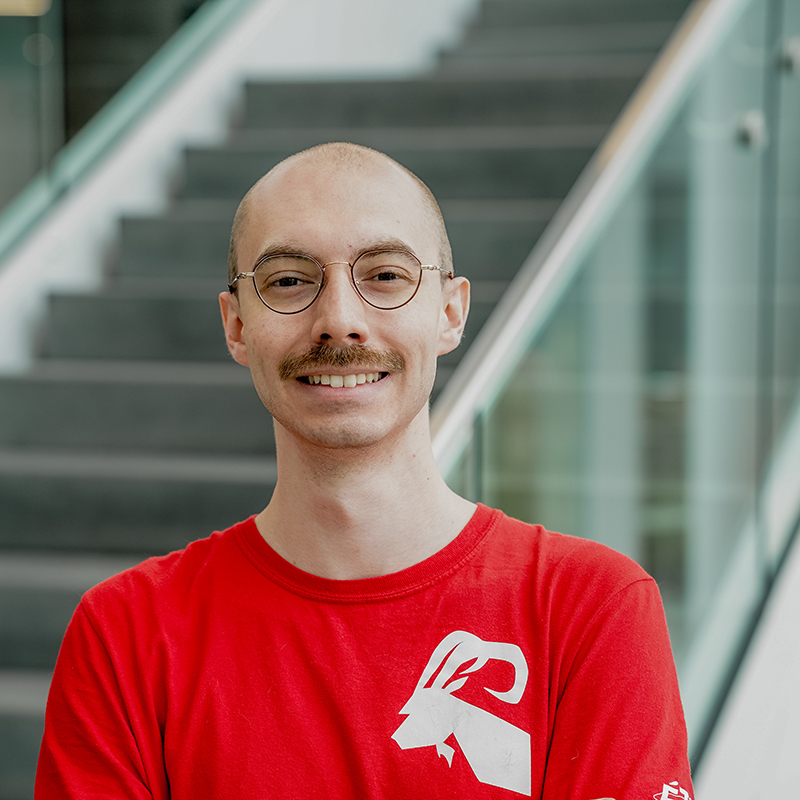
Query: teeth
[346, 381]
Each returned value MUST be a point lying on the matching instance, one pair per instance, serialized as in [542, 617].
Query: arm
[619, 729]
[95, 742]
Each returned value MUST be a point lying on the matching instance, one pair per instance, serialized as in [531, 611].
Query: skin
[358, 492]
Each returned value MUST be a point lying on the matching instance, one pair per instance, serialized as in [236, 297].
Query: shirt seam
[94, 625]
[373, 597]
[598, 612]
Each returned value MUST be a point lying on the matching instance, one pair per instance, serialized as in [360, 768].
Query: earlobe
[455, 308]
[234, 327]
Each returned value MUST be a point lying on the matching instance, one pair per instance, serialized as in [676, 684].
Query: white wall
[281, 38]
[754, 751]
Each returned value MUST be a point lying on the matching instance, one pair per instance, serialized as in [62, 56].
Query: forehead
[336, 211]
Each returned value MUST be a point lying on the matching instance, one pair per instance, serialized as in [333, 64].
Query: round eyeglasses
[289, 283]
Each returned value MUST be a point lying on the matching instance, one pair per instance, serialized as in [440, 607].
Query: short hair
[342, 154]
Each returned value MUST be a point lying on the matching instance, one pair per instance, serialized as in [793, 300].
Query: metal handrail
[552, 263]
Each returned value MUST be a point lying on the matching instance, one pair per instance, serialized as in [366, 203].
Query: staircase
[135, 433]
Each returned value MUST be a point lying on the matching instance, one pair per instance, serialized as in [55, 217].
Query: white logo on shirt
[498, 752]
[672, 790]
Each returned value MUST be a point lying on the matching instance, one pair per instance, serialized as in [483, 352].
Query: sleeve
[619, 729]
[92, 745]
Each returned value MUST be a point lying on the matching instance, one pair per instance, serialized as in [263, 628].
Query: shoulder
[164, 581]
[589, 602]
[559, 559]
[572, 587]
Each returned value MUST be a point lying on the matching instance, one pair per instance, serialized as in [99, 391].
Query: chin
[341, 438]
[347, 433]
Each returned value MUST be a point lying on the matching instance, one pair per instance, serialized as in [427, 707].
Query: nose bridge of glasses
[347, 274]
[331, 263]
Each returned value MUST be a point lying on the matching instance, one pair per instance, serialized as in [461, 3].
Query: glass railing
[31, 91]
[29, 66]
[637, 384]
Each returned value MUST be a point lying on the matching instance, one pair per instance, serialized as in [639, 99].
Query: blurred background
[621, 183]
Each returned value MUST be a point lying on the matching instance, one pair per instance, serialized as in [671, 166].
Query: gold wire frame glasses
[289, 283]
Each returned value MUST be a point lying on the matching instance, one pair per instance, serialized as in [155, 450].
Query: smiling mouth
[343, 381]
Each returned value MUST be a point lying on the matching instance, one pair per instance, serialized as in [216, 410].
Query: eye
[386, 274]
[288, 281]
[286, 273]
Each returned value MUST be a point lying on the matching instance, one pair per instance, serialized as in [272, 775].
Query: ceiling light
[24, 8]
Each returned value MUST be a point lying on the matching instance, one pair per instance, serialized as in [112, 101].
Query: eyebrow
[287, 246]
[278, 248]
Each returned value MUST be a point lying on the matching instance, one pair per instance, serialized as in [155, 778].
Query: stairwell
[134, 432]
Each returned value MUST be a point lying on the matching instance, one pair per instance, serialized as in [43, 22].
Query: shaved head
[345, 156]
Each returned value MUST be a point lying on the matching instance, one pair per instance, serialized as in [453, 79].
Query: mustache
[323, 355]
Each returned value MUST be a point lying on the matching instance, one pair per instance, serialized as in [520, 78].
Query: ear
[455, 307]
[234, 327]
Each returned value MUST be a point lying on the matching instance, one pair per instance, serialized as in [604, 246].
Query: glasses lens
[288, 283]
[387, 278]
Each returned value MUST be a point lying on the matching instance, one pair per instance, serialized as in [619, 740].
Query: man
[369, 634]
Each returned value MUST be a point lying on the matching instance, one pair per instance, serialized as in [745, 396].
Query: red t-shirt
[513, 662]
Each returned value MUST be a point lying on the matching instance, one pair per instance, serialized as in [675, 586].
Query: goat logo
[498, 752]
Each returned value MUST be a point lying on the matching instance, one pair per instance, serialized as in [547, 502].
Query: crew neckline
[365, 590]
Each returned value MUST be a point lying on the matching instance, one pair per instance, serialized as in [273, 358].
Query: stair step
[568, 66]
[470, 173]
[439, 101]
[124, 503]
[558, 12]
[142, 407]
[38, 595]
[155, 407]
[151, 325]
[113, 324]
[190, 242]
[23, 693]
[22, 700]
[495, 137]
[574, 39]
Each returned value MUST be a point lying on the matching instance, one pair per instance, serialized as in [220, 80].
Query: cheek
[421, 343]
[263, 353]
[269, 339]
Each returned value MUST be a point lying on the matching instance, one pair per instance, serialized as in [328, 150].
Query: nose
[340, 313]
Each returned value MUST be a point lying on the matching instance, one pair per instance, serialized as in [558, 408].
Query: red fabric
[222, 671]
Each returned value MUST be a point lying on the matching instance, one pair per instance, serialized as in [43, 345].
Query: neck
[347, 513]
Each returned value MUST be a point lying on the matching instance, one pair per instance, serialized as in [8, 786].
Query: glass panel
[636, 415]
[30, 95]
[31, 103]
[787, 231]
[532, 432]
[725, 126]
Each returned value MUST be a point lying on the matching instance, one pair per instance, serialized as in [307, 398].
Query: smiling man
[369, 633]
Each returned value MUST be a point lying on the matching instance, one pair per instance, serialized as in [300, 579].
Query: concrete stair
[185, 247]
[134, 406]
[134, 433]
[486, 172]
[124, 502]
[517, 13]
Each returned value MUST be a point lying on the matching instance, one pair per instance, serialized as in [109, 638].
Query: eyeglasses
[289, 283]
